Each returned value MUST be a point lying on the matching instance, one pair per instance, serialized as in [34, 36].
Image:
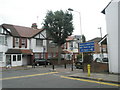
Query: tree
[87, 58]
[83, 39]
[59, 25]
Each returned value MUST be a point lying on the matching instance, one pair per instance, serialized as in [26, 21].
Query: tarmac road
[46, 78]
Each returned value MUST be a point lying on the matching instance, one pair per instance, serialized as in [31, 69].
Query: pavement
[76, 73]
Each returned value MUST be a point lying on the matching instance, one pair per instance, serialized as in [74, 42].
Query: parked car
[103, 60]
[79, 64]
[40, 61]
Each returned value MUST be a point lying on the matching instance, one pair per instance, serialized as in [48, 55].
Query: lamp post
[80, 27]
[101, 48]
[100, 32]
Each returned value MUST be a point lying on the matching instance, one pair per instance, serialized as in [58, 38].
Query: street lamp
[79, 22]
[80, 27]
[101, 48]
[100, 32]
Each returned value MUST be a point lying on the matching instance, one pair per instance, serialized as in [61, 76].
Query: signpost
[86, 47]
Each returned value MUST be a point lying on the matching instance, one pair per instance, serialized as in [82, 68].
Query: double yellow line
[91, 81]
[27, 76]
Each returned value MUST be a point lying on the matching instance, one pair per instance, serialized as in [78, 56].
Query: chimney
[34, 26]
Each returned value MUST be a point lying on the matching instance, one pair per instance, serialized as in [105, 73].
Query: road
[46, 78]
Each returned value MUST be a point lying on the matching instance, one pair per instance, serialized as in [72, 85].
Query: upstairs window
[1, 30]
[3, 40]
[23, 42]
[39, 42]
[20, 42]
[1, 56]
[37, 55]
[16, 42]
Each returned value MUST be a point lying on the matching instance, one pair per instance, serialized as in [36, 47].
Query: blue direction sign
[86, 47]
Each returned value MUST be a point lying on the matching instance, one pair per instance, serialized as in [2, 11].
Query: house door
[8, 60]
[16, 60]
[29, 60]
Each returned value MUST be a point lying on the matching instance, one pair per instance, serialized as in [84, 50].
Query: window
[104, 49]
[39, 42]
[76, 45]
[5, 40]
[14, 57]
[71, 45]
[19, 57]
[1, 40]
[16, 42]
[1, 56]
[1, 30]
[23, 42]
[37, 55]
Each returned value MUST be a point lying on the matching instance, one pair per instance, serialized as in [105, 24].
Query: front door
[16, 60]
[8, 60]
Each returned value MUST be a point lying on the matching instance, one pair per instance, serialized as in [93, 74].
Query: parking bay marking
[92, 81]
[27, 76]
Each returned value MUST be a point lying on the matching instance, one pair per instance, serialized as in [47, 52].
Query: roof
[19, 51]
[103, 40]
[70, 38]
[103, 11]
[97, 39]
[21, 31]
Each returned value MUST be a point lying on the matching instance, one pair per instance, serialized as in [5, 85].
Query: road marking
[91, 81]
[27, 76]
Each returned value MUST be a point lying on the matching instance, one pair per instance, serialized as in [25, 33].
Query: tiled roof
[21, 31]
[19, 51]
[70, 38]
[97, 39]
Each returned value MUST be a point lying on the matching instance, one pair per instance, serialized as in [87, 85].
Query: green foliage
[59, 25]
[83, 39]
[79, 56]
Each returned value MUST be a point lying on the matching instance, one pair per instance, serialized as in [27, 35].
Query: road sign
[86, 47]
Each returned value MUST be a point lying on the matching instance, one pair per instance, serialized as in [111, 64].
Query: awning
[19, 51]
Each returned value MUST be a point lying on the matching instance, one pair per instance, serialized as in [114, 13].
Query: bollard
[53, 67]
[88, 67]
[45, 64]
[72, 67]
[65, 65]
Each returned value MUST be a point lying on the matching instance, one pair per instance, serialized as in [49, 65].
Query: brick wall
[97, 67]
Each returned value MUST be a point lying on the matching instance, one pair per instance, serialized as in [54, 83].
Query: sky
[26, 12]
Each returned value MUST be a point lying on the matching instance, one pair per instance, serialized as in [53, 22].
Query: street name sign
[86, 47]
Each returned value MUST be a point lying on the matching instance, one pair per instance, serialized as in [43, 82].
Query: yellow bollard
[88, 67]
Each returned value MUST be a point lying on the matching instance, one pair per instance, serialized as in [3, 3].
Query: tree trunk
[59, 54]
